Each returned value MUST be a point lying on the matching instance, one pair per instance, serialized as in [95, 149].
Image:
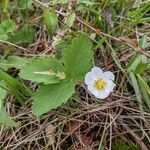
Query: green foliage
[13, 61]
[23, 4]
[24, 36]
[50, 20]
[3, 36]
[6, 120]
[121, 3]
[143, 42]
[44, 70]
[51, 96]
[133, 63]
[15, 86]
[137, 90]
[86, 2]
[2, 95]
[78, 58]
[136, 66]
[10, 84]
[142, 67]
[70, 19]
[6, 27]
[58, 79]
[138, 15]
[5, 4]
[144, 83]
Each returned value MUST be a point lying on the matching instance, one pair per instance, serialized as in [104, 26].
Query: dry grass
[79, 125]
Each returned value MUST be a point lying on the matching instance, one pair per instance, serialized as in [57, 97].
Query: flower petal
[88, 79]
[109, 75]
[110, 86]
[93, 90]
[103, 94]
[96, 72]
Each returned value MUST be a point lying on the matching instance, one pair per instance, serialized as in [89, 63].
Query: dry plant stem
[9, 43]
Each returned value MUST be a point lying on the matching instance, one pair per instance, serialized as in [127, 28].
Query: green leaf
[5, 4]
[4, 117]
[23, 4]
[120, 3]
[3, 94]
[13, 61]
[133, 63]
[51, 96]
[25, 35]
[146, 86]
[137, 90]
[78, 58]
[7, 26]
[143, 42]
[45, 70]
[144, 59]
[6, 120]
[70, 19]
[15, 86]
[145, 95]
[3, 36]
[142, 67]
[50, 20]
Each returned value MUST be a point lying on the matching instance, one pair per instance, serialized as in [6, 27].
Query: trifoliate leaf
[51, 96]
[47, 70]
[78, 58]
[70, 19]
[6, 120]
[50, 20]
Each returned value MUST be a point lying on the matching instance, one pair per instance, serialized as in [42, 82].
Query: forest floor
[120, 35]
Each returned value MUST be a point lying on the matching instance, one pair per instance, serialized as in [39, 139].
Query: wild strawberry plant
[57, 79]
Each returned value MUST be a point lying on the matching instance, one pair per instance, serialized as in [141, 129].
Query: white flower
[100, 83]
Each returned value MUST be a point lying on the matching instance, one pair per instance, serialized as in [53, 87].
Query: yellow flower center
[100, 84]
